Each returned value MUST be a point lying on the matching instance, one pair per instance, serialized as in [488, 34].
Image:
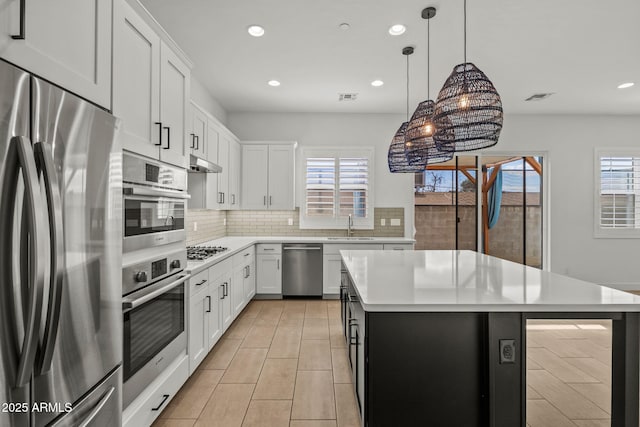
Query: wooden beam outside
[448, 168]
[485, 212]
[502, 162]
[468, 175]
[492, 178]
[534, 164]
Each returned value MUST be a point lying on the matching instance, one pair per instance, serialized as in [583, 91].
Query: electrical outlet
[395, 221]
[507, 351]
[383, 222]
[195, 226]
[224, 222]
[290, 221]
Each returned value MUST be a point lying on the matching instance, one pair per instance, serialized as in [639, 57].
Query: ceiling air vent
[347, 96]
[539, 96]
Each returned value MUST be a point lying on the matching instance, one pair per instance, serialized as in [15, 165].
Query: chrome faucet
[349, 225]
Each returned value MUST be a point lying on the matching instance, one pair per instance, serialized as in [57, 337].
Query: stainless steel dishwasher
[301, 269]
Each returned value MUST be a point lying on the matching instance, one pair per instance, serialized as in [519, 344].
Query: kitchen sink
[349, 238]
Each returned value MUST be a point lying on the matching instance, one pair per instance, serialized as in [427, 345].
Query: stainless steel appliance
[154, 203]
[60, 257]
[302, 269]
[200, 253]
[154, 307]
[197, 164]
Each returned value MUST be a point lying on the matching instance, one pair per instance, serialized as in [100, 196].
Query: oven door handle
[152, 292]
[153, 192]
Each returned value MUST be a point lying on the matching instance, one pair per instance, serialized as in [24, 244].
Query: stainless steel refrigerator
[60, 257]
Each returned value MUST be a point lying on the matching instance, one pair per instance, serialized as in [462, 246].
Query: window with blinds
[619, 192]
[337, 184]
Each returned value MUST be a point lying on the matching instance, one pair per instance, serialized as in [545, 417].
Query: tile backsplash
[211, 224]
[275, 223]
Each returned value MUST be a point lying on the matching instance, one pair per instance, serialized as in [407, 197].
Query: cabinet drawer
[334, 249]
[398, 246]
[198, 282]
[148, 406]
[269, 249]
[244, 257]
[220, 269]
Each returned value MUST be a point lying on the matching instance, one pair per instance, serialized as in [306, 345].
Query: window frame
[336, 222]
[605, 232]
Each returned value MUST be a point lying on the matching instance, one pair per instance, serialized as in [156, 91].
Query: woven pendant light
[420, 146]
[396, 157]
[468, 113]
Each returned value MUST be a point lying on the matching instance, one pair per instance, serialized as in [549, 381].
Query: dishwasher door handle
[301, 249]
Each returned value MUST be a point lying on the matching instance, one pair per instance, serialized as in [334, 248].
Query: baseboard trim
[628, 286]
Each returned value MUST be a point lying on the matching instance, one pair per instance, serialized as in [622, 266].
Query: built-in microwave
[154, 203]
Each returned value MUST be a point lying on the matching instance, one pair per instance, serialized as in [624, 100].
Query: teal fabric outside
[495, 199]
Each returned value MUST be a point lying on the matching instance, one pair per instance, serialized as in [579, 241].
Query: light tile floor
[569, 373]
[281, 363]
[284, 363]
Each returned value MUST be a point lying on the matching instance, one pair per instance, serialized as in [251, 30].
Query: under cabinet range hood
[197, 164]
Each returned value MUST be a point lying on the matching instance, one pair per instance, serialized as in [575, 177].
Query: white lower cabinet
[269, 274]
[331, 267]
[198, 322]
[155, 398]
[244, 279]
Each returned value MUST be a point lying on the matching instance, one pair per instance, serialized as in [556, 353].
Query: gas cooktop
[200, 253]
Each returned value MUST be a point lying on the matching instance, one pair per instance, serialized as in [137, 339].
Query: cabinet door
[269, 274]
[65, 41]
[214, 322]
[254, 176]
[223, 177]
[174, 98]
[213, 137]
[331, 276]
[234, 175]
[281, 177]
[237, 290]
[226, 308]
[198, 138]
[136, 81]
[250, 281]
[198, 323]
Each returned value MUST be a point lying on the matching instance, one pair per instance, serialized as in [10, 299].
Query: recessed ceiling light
[344, 26]
[273, 83]
[397, 29]
[377, 83]
[625, 85]
[256, 30]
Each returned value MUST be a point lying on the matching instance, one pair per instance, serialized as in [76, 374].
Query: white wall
[372, 130]
[201, 96]
[568, 141]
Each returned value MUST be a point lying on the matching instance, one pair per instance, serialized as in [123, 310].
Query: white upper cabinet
[65, 41]
[255, 161]
[151, 87]
[234, 175]
[136, 81]
[175, 82]
[198, 142]
[268, 176]
[223, 177]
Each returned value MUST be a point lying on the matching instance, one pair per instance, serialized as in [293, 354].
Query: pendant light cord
[465, 33]
[407, 88]
[428, 59]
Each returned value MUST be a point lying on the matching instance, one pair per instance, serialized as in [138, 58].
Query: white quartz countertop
[460, 281]
[236, 244]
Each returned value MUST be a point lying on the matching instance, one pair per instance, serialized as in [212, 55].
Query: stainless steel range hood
[196, 164]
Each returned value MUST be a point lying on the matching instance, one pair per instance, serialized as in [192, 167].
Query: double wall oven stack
[153, 274]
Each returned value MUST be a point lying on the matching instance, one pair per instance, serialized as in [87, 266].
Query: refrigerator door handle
[21, 154]
[95, 411]
[44, 160]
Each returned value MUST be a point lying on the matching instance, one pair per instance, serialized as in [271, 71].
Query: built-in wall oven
[154, 307]
[154, 203]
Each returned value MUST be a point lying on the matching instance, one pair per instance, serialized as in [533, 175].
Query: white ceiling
[579, 49]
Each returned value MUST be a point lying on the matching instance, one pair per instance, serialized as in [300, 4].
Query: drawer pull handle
[164, 399]
[23, 13]
[202, 282]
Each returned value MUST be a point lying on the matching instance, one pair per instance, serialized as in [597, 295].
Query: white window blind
[321, 187]
[337, 183]
[354, 186]
[619, 198]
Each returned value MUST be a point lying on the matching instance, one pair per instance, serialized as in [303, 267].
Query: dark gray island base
[463, 368]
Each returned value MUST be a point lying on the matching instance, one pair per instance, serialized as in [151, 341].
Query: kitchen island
[436, 337]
